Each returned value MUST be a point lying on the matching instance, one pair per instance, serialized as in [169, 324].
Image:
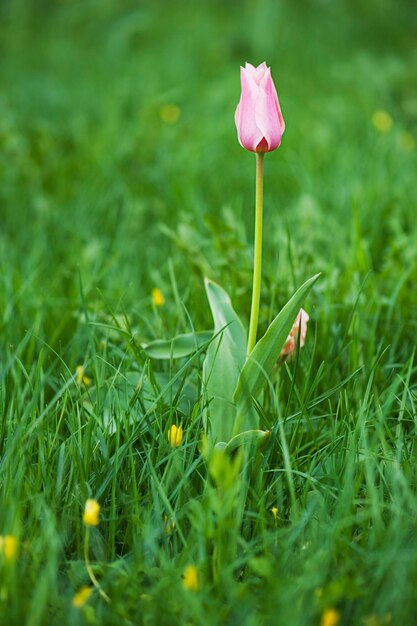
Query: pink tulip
[300, 325]
[258, 117]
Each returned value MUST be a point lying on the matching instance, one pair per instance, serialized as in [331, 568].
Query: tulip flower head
[91, 515]
[258, 116]
[299, 326]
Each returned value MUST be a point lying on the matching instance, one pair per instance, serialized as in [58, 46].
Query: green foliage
[247, 437]
[225, 358]
[178, 347]
[105, 194]
[264, 356]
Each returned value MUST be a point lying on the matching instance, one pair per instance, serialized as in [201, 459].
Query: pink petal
[245, 117]
[268, 115]
[289, 347]
[251, 69]
[299, 326]
[257, 73]
[302, 325]
[279, 112]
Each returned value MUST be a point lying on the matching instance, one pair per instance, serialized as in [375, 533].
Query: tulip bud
[258, 116]
[299, 326]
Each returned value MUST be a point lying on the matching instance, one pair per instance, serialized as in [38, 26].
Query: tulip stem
[257, 260]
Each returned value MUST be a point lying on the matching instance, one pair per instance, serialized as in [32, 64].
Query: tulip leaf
[178, 347]
[220, 445]
[263, 357]
[248, 437]
[224, 360]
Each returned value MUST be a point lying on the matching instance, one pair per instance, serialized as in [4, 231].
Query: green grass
[100, 201]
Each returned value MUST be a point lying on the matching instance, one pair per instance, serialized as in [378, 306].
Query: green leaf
[225, 469]
[263, 357]
[220, 445]
[248, 437]
[224, 360]
[178, 347]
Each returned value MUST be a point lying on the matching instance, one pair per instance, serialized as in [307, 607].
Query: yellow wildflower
[330, 617]
[175, 436]
[157, 297]
[146, 597]
[407, 142]
[274, 512]
[82, 596]
[169, 524]
[190, 578]
[8, 547]
[373, 620]
[170, 113]
[382, 121]
[91, 515]
[80, 377]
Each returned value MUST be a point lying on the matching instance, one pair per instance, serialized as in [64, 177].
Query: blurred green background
[120, 171]
[118, 150]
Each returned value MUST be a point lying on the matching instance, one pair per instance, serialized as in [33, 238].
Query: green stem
[257, 262]
[90, 569]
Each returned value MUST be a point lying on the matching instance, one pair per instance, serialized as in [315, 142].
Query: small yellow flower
[275, 512]
[146, 597]
[82, 596]
[330, 617]
[374, 620]
[382, 121]
[407, 142]
[80, 377]
[157, 297]
[91, 515]
[8, 547]
[175, 436]
[169, 525]
[170, 113]
[190, 578]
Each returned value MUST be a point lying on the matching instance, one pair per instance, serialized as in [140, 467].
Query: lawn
[121, 174]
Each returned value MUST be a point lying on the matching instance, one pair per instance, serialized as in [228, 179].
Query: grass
[102, 200]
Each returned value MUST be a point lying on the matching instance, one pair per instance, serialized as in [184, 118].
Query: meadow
[121, 174]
